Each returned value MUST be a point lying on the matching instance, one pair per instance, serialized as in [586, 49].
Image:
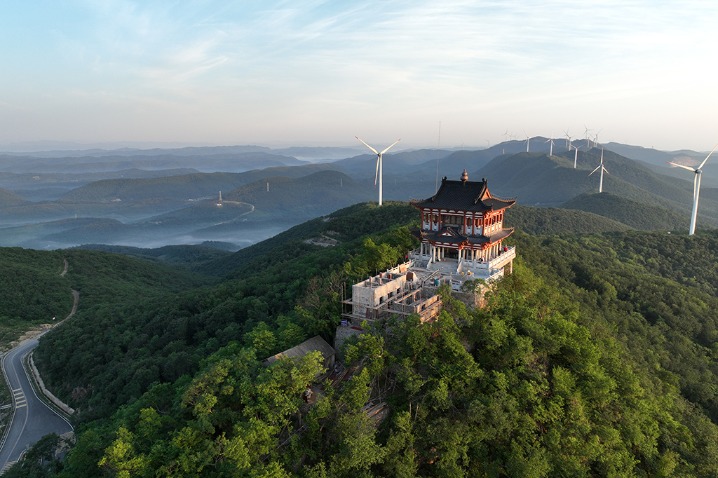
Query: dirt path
[64, 270]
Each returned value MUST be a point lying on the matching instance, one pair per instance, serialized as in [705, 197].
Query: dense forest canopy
[32, 291]
[597, 357]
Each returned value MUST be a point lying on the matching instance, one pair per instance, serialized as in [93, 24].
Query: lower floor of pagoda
[439, 252]
[485, 263]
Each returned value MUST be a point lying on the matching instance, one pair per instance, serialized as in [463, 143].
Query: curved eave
[458, 239]
[501, 235]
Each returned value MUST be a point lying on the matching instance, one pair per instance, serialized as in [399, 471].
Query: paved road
[33, 419]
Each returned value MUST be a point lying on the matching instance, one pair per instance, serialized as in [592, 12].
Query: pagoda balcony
[487, 270]
[503, 258]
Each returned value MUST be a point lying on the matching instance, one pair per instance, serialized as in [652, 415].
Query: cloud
[399, 62]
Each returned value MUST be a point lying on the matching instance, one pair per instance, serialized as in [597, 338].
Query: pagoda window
[426, 220]
[449, 220]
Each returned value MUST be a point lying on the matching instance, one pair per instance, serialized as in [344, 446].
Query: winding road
[32, 419]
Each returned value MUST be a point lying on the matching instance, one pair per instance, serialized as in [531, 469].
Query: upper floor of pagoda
[465, 196]
[465, 206]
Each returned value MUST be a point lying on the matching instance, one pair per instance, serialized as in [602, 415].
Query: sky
[447, 73]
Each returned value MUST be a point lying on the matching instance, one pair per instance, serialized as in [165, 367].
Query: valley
[153, 198]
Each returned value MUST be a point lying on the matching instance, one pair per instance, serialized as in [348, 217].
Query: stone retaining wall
[56, 401]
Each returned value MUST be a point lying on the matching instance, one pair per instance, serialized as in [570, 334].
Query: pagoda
[462, 230]
[462, 236]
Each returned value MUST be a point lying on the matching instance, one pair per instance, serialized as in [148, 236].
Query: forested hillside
[597, 357]
[632, 213]
[32, 291]
[287, 287]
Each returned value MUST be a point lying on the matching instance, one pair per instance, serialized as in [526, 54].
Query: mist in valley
[153, 198]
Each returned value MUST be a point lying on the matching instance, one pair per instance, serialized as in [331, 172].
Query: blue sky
[283, 73]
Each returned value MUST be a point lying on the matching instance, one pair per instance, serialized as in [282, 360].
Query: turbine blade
[682, 166]
[376, 174]
[597, 168]
[390, 146]
[709, 155]
[375, 151]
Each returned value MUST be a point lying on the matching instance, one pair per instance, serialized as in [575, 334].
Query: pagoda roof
[464, 195]
[451, 235]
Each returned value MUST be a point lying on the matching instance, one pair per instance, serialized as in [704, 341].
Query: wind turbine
[379, 164]
[568, 141]
[528, 141]
[550, 152]
[588, 141]
[696, 188]
[600, 166]
[575, 156]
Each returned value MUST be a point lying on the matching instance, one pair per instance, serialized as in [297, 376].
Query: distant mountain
[8, 198]
[50, 186]
[125, 200]
[305, 197]
[661, 159]
[632, 213]
[652, 156]
[176, 188]
[319, 154]
[536, 179]
[401, 163]
[88, 232]
[65, 150]
[217, 161]
[203, 213]
[545, 220]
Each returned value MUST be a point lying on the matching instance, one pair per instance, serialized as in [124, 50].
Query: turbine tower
[379, 165]
[506, 138]
[550, 152]
[575, 156]
[600, 166]
[528, 142]
[696, 188]
[588, 141]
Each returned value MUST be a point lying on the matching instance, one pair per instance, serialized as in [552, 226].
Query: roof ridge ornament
[464, 176]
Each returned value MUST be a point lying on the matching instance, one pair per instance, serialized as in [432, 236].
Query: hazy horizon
[316, 73]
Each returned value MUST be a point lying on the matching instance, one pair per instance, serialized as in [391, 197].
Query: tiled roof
[464, 196]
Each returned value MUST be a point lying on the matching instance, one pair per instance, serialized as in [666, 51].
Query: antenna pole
[438, 145]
